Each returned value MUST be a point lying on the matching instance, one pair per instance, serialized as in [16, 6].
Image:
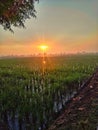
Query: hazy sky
[64, 25]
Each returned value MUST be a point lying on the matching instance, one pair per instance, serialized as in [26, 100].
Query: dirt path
[81, 103]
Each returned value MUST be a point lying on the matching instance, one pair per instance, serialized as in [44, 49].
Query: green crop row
[32, 94]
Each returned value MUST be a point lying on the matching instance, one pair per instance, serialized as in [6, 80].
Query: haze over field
[67, 26]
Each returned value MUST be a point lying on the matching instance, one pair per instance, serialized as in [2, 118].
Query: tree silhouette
[15, 12]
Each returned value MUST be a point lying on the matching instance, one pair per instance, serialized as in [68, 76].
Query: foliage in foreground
[15, 12]
[32, 98]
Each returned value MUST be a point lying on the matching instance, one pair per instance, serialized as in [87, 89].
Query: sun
[43, 47]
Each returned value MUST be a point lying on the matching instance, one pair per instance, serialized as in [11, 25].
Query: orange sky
[65, 26]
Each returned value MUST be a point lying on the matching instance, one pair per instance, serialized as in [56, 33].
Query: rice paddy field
[33, 90]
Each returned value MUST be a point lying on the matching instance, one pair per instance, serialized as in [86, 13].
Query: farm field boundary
[81, 109]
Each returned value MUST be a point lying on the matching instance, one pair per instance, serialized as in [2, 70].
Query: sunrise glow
[72, 28]
[43, 47]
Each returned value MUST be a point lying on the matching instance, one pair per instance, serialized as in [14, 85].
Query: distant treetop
[15, 12]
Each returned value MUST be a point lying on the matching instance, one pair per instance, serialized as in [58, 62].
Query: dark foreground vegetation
[15, 12]
[81, 112]
[33, 94]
